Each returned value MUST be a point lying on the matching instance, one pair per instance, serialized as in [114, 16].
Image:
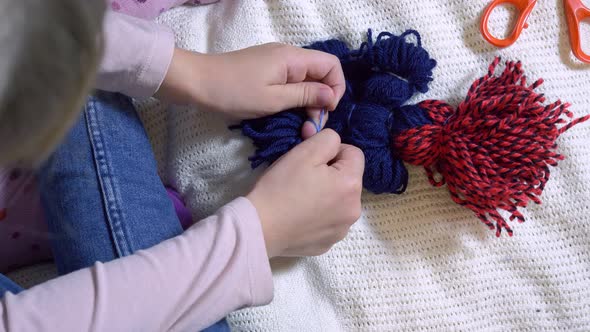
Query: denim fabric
[7, 285]
[101, 191]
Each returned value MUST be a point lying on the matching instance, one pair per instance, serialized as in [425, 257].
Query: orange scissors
[575, 12]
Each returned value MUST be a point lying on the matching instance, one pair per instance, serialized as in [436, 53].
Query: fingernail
[324, 96]
[313, 122]
[308, 130]
[317, 125]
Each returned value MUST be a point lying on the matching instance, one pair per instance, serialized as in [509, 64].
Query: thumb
[303, 94]
[349, 159]
[316, 121]
[320, 149]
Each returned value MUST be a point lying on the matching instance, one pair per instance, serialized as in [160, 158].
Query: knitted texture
[415, 261]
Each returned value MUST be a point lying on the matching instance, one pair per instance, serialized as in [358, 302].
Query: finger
[305, 64]
[308, 130]
[303, 94]
[349, 159]
[319, 149]
[316, 122]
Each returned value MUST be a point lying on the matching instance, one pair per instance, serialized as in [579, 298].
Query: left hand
[256, 81]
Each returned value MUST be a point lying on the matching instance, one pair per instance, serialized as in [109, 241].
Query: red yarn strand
[495, 149]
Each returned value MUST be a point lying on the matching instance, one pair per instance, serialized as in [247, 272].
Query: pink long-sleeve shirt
[137, 55]
[183, 284]
[187, 283]
[137, 52]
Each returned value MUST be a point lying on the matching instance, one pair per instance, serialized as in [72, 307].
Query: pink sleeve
[149, 9]
[137, 52]
[136, 57]
[186, 283]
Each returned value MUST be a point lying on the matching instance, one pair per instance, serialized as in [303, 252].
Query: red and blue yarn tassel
[493, 151]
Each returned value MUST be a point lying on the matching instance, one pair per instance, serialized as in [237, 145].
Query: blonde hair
[48, 59]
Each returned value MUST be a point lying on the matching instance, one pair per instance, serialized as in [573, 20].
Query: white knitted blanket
[416, 261]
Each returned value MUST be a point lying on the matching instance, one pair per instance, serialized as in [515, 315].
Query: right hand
[310, 197]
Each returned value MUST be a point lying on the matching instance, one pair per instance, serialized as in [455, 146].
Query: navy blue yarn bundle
[381, 76]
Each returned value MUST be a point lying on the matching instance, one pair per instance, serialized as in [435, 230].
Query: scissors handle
[524, 8]
[575, 12]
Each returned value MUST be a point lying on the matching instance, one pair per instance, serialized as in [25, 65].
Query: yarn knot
[395, 54]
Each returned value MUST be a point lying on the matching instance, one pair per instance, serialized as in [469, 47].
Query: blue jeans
[101, 191]
[7, 285]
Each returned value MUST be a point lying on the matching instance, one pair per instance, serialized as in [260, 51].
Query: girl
[100, 188]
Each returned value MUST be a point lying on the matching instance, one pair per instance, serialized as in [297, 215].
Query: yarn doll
[493, 151]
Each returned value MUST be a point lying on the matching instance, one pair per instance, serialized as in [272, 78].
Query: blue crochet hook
[318, 126]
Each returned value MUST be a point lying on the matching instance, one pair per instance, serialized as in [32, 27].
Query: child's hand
[255, 81]
[310, 197]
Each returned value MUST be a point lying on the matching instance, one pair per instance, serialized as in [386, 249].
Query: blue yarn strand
[381, 76]
[318, 126]
[322, 113]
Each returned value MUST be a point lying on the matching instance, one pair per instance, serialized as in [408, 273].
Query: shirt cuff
[156, 64]
[260, 274]
[137, 54]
